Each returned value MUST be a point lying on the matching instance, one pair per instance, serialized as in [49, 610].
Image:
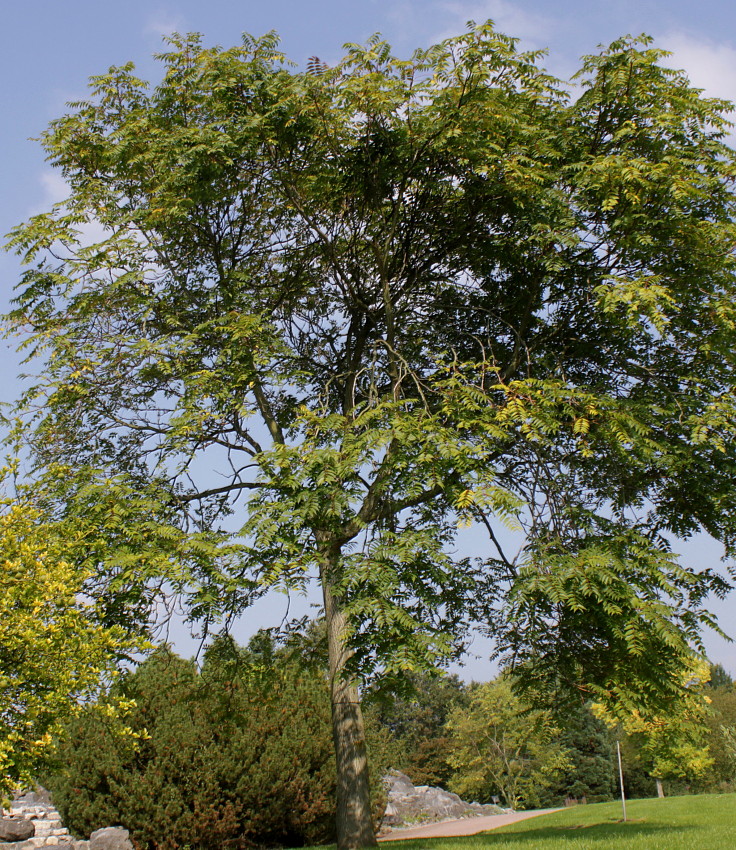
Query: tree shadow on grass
[603, 833]
[596, 832]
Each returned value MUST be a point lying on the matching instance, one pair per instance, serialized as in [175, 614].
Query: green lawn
[704, 822]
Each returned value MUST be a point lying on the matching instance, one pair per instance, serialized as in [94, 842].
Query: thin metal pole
[621, 779]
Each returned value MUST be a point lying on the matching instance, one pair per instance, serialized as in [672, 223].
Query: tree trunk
[354, 822]
[660, 789]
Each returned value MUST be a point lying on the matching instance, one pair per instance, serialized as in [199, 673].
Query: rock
[399, 783]
[409, 804]
[443, 804]
[391, 816]
[39, 795]
[16, 829]
[61, 844]
[110, 838]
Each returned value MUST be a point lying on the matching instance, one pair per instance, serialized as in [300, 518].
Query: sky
[48, 50]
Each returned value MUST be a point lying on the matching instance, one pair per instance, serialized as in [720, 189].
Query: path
[465, 826]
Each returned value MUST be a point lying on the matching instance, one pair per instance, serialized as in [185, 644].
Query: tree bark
[660, 789]
[354, 822]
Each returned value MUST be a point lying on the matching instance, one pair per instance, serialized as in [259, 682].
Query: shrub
[237, 755]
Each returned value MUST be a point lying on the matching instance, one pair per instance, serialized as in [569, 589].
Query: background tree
[591, 774]
[55, 648]
[721, 728]
[416, 719]
[381, 299]
[720, 679]
[672, 745]
[502, 748]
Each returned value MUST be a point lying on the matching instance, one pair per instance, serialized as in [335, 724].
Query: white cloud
[163, 24]
[710, 65]
[54, 190]
[533, 30]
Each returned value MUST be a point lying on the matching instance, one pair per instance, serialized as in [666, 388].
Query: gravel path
[465, 826]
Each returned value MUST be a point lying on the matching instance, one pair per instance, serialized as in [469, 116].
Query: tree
[502, 748]
[592, 773]
[720, 679]
[672, 745]
[416, 721]
[54, 647]
[721, 730]
[384, 299]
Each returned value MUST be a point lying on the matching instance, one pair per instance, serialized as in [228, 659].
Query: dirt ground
[465, 826]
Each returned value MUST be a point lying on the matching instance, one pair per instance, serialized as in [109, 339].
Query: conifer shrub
[236, 755]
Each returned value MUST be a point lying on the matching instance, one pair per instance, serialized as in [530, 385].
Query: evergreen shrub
[237, 755]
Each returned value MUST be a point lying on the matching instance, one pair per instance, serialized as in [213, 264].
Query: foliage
[289, 247]
[721, 727]
[55, 648]
[591, 774]
[384, 299]
[720, 678]
[423, 722]
[500, 747]
[416, 720]
[673, 745]
[238, 754]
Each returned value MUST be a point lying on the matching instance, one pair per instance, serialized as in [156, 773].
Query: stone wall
[37, 808]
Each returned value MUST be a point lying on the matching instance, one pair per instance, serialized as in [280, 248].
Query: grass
[702, 822]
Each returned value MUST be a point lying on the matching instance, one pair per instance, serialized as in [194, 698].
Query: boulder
[442, 804]
[16, 829]
[39, 795]
[399, 784]
[110, 838]
[409, 804]
[391, 816]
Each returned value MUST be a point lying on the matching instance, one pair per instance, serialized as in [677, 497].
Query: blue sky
[49, 49]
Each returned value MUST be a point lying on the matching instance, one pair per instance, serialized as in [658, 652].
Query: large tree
[344, 311]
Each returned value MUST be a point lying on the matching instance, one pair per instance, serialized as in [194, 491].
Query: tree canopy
[381, 300]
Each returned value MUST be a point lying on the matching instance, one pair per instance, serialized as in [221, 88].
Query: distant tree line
[483, 741]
